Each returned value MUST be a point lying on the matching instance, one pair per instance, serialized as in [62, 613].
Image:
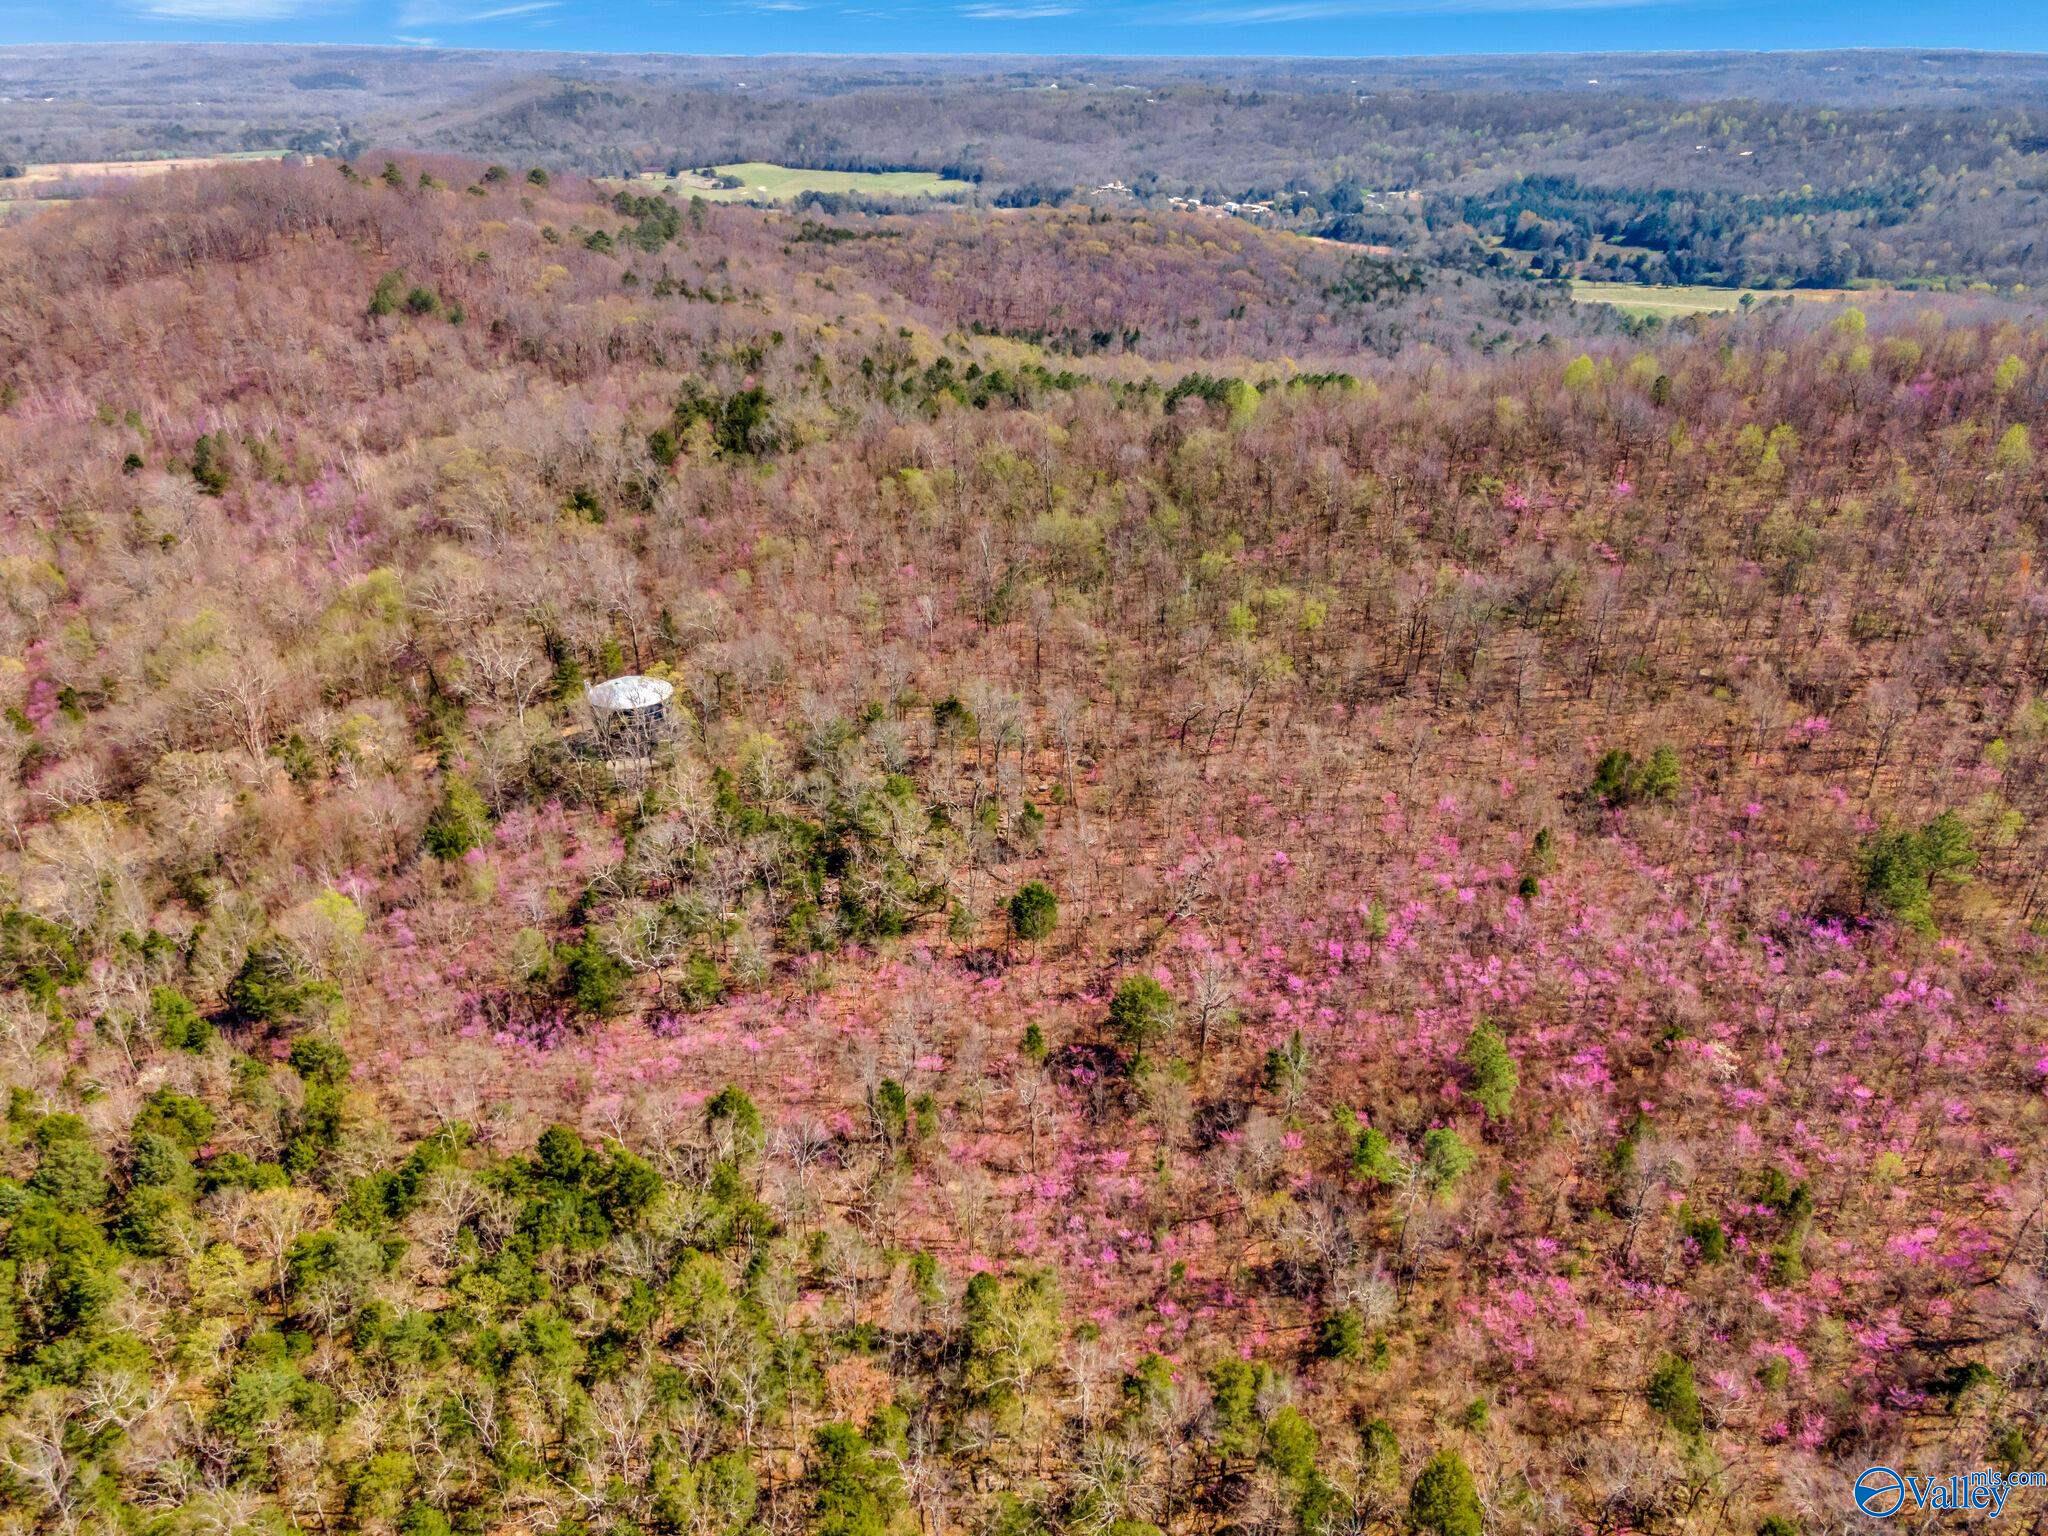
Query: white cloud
[464, 13]
[227, 10]
[1016, 12]
[1335, 10]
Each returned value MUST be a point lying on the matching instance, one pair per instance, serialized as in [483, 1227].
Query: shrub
[890, 1106]
[178, 1117]
[1374, 1159]
[1493, 1071]
[1902, 868]
[1541, 861]
[1444, 1500]
[1612, 776]
[1620, 779]
[1377, 924]
[376, 1489]
[735, 1124]
[315, 1130]
[461, 821]
[177, 1023]
[1341, 1335]
[155, 1162]
[1795, 1204]
[237, 1170]
[1379, 1452]
[37, 955]
[741, 423]
[1674, 1394]
[1034, 911]
[1030, 825]
[1290, 1448]
[952, 719]
[1659, 778]
[389, 293]
[317, 1060]
[1958, 1380]
[330, 1274]
[1149, 1383]
[1140, 1014]
[1707, 1235]
[1446, 1157]
[2015, 451]
[274, 988]
[1323, 1508]
[700, 986]
[1288, 1068]
[2008, 1448]
[594, 977]
[1234, 1387]
[209, 464]
[1012, 1330]
[69, 1173]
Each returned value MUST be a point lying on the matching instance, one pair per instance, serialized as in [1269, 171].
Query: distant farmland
[1667, 301]
[93, 170]
[762, 182]
[38, 188]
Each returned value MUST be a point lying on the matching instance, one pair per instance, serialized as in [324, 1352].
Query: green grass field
[1672, 300]
[764, 183]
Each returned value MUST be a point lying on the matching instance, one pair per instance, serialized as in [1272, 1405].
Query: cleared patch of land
[89, 170]
[1667, 300]
[762, 182]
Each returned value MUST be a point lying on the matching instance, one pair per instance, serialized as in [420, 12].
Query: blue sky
[1302, 27]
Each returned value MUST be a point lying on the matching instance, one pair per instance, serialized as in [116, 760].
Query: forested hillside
[1296, 893]
[1814, 170]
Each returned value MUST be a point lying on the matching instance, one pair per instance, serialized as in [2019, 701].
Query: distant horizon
[1101, 29]
[1020, 55]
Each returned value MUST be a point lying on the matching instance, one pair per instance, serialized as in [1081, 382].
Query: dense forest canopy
[1293, 890]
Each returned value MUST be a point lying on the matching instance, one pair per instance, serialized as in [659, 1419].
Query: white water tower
[630, 715]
